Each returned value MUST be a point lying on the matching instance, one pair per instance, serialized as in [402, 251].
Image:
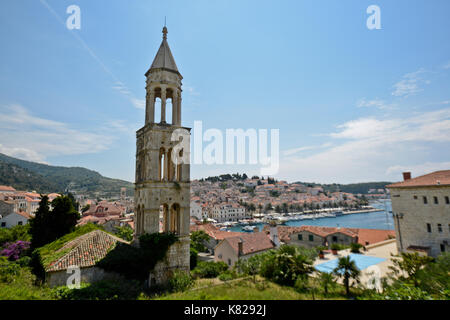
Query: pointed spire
[164, 58]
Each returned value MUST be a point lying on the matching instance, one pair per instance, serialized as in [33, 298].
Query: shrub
[124, 232]
[355, 247]
[180, 281]
[15, 250]
[15, 233]
[209, 269]
[228, 275]
[285, 265]
[8, 270]
[337, 246]
[193, 258]
[101, 290]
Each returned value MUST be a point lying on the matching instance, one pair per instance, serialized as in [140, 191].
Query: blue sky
[351, 104]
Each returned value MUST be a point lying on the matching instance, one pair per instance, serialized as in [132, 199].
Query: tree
[124, 232]
[434, 277]
[327, 281]
[198, 238]
[285, 265]
[347, 270]
[409, 263]
[47, 226]
[250, 266]
[85, 208]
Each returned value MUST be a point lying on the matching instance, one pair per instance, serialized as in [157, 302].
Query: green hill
[27, 175]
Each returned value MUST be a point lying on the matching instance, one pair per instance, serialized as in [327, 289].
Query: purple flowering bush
[14, 250]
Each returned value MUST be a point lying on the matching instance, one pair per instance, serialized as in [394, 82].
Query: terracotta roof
[251, 242]
[213, 231]
[364, 236]
[85, 250]
[371, 236]
[432, 179]
[24, 214]
[7, 188]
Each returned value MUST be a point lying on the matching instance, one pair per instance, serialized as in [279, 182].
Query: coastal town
[126, 177]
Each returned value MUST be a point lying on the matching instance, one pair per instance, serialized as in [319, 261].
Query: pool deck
[379, 250]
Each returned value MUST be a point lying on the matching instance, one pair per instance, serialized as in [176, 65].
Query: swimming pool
[362, 262]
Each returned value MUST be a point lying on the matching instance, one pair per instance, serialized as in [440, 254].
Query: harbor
[376, 216]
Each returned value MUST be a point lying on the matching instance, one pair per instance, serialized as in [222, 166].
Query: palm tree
[347, 270]
[327, 281]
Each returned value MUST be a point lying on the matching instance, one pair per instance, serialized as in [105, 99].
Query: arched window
[175, 219]
[165, 219]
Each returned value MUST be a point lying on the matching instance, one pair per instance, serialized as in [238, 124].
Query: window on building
[425, 201]
[436, 201]
[4, 224]
[429, 227]
[20, 223]
[442, 247]
[311, 237]
[439, 228]
[447, 200]
[415, 197]
[229, 262]
[335, 239]
[300, 237]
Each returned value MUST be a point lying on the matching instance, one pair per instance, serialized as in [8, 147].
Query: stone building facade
[421, 209]
[162, 166]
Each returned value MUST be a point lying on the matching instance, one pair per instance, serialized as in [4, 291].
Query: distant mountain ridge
[27, 175]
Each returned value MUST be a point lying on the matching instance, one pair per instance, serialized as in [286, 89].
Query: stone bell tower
[162, 188]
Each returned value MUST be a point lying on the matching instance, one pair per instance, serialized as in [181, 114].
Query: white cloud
[420, 169]
[410, 84]
[122, 88]
[365, 149]
[34, 138]
[290, 152]
[375, 103]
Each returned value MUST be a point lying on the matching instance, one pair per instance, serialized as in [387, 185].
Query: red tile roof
[7, 188]
[213, 231]
[85, 251]
[251, 242]
[364, 236]
[432, 179]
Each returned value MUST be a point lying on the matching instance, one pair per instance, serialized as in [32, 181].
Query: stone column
[166, 166]
[179, 109]
[163, 104]
[150, 117]
[174, 107]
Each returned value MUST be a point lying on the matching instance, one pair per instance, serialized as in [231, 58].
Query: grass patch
[246, 289]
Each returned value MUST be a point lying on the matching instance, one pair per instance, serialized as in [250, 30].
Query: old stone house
[243, 246]
[83, 252]
[421, 209]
